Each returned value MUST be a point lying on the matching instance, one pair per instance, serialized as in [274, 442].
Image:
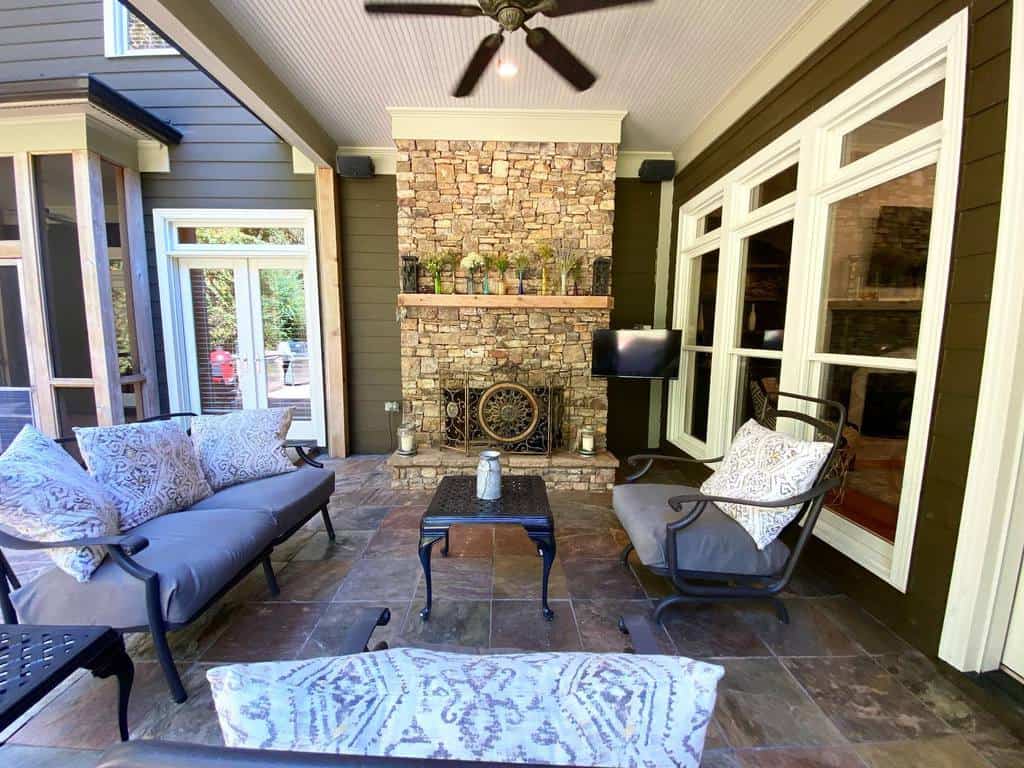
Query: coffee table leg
[426, 544]
[447, 542]
[546, 545]
[116, 661]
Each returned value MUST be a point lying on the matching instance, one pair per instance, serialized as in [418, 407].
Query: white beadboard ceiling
[667, 63]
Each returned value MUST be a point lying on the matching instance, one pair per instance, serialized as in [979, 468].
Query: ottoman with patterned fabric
[577, 709]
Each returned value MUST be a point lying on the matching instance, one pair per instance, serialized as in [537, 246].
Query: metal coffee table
[524, 501]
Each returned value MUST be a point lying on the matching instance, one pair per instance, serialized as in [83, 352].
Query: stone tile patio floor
[833, 688]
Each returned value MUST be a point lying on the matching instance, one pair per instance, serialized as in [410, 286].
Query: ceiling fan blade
[560, 58]
[478, 64]
[568, 7]
[424, 9]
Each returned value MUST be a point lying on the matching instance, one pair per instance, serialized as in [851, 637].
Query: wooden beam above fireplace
[511, 300]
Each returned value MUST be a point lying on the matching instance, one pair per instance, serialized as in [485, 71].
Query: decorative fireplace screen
[509, 409]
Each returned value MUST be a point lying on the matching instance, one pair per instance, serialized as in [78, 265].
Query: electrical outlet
[391, 406]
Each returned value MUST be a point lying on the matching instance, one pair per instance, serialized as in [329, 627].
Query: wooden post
[34, 311]
[99, 305]
[141, 308]
[332, 313]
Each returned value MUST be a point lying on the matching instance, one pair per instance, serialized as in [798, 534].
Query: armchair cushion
[46, 496]
[551, 708]
[243, 445]
[765, 465]
[713, 543]
[148, 469]
[195, 553]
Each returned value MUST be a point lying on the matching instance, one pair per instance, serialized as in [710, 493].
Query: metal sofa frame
[703, 586]
[121, 549]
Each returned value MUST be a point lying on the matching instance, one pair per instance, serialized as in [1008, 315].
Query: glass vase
[487, 284]
[522, 288]
[437, 283]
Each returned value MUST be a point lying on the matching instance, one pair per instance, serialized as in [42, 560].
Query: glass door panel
[15, 385]
[283, 361]
[220, 370]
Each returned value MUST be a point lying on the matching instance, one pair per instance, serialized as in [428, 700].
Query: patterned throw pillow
[46, 496]
[242, 446]
[764, 465]
[147, 469]
[608, 709]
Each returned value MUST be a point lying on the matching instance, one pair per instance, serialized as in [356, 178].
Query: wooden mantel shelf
[512, 300]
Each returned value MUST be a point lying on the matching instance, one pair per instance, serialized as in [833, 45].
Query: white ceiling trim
[569, 125]
[815, 25]
[629, 161]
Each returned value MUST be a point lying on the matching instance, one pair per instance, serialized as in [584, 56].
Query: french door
[249, 327]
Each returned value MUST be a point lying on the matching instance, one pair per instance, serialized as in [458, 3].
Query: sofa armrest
[130, 543]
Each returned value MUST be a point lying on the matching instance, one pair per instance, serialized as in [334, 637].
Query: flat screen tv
[636, 354]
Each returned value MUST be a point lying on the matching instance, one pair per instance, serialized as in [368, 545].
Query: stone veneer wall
[492, 197]
[541, 342]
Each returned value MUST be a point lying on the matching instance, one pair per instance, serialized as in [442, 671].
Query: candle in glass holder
[587, 441]
[406, 440]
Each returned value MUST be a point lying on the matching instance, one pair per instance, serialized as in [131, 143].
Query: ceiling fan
[512, 15]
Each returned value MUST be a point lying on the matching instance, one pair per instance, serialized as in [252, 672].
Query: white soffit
[602, 127]
[667, 63]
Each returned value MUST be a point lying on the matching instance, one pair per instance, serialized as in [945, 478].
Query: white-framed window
[820, 266]
[125, 34]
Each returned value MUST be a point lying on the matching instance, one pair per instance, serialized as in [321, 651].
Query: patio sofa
[162, 575]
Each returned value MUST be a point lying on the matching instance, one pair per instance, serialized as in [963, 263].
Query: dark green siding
[369, 258]
[876, 34]
[634, 254]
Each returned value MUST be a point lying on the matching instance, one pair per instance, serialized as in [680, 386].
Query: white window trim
[173, 305]
[991, 536]
[939, 54]
[115, 34]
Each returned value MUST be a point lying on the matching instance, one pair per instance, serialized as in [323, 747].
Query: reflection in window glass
[880, 404]
[770, 190]
[15, 394]
[710, 222]
[120, 278]
[76, 407]
[285, 341]
[142, 37]
[61, 267]
[700, 393]
[917, 112]
[877, 254]
[757, 391]
[706, 268]
[765, 287]
[8, 201]
[241, 235]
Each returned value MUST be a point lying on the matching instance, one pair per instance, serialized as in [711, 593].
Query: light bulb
[507, 68]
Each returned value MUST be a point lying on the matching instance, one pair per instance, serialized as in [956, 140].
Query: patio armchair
[680, 533]
[165, 573]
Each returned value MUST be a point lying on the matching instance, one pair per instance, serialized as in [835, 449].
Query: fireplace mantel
[512, 300]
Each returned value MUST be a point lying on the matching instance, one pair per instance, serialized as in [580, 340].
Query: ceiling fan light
[507, 69]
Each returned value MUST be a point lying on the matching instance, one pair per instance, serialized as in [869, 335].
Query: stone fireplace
[503, 197]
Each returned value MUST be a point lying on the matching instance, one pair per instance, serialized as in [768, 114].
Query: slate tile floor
[833, 688]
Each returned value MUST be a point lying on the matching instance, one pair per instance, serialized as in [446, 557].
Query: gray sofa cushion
[195, 552]
[714, 542]
[288, 498]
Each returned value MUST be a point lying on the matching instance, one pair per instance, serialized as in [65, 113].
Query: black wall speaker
[354, 167]
[657, 170]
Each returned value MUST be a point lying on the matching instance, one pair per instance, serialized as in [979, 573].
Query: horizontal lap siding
[227, 158]
[369, 258]
[876, 34]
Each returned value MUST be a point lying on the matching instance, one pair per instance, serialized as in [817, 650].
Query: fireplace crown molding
[543, 125]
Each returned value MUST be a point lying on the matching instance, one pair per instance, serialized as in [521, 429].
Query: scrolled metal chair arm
[650, 458]
[677, 502]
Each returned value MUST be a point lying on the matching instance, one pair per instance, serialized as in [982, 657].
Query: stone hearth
[562, 471]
